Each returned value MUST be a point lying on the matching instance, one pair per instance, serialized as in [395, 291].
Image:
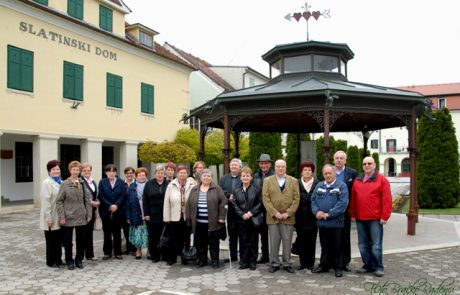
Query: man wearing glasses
[370, 207]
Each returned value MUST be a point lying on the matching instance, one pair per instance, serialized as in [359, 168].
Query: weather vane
[307, 14]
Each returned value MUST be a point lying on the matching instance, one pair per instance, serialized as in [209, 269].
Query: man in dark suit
[347, 175]
[229, 182]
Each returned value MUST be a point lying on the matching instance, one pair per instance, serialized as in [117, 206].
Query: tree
[438, 170]
[376, 159]
[213, 145]
[263, 143]
[354, 158]
[244, 148]
[291, 153]
[334, 146]
[189, 137]
[166, 151]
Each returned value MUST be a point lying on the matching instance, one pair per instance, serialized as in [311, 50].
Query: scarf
[58, 179]
[307, 185]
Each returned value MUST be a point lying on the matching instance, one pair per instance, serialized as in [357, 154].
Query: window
[23, 162]
[405, 165]
[20, 69]
[75, 8]
[441, 103]
[146, 39]
[391, 145]
[44, 2]
[297, 64]
[73, 81]
[324, 63]
[252, 82]
[114, 91]
[374, 143]
[107, 158]
[69, 153]
[105, 18]
[147, 95]
[275, 69]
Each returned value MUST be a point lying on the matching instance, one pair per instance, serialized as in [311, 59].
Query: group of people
[268, 205]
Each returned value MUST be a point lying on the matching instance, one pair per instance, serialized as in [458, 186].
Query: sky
[396, 43]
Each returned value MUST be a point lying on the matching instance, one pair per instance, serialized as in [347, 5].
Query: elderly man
[229, 182]
[265, 164]
[328, 204]
[346, 175]
[281, 200]
[371, 206]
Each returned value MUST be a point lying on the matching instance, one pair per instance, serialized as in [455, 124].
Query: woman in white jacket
[49, 219]
[174, 214]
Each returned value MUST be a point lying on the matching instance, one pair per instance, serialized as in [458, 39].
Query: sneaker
[379, 273]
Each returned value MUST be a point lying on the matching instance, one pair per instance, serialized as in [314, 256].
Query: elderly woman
[112, 197]
[176, 197]
[247, 205]
[49, 220]
[170, 170]
[75, 211]
[135, 213]
[205, 212]
[305, 224]
[90, 187]
[153, 199]
[198, 168]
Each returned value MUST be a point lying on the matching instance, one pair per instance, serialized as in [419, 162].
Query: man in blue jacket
[328, 204]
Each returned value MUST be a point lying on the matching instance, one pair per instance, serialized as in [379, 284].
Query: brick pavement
[23, 271]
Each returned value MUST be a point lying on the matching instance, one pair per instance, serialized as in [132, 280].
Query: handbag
[190, 254]
[294, 249]
[164, 241]
[98, 221]
[258, 220]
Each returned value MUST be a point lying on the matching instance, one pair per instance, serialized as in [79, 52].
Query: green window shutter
[75, 8]
[20, 72]
[152, 100]
[105, 18]
[114, 91]
[44, 2]
[73, 81]
[147, 98]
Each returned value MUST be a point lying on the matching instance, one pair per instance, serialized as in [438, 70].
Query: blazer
[216, 207]
[226, 184]
[72, 204]
[153, 200]
[172, 205]
[90, 194]
[304, 218]
[109, 196]
[48, 210]
[250, 200]
[275, 200]
[133, 211]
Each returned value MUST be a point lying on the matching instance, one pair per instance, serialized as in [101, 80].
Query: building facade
[80, 84]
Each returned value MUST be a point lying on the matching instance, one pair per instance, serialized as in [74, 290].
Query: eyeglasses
[367, 164]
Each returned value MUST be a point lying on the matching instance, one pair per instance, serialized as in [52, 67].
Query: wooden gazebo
[308, 93]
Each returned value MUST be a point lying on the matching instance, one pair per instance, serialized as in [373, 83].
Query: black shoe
[203, 263]
[274, 269]
[263, 259]
[338, 273]
[243, 266]
[252, 267]
[138, 257]
[79, 264]
[215, 264]
[171, 262]
[302, 267]
[119, 257]
[155, 260]
[319, 269]
[55, 265]
[106, 257]
[289, 269]
[228, 260]
[346, 268]
[70, 266]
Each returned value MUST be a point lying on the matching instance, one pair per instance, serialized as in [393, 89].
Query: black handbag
[294, 249]
[258, 220]
[164, 241]
[190, 254]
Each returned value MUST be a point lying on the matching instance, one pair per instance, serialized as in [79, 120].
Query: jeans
[370, 238]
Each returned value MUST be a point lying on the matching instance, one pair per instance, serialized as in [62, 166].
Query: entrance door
[69, 153]
[107, 158]
[391, 167]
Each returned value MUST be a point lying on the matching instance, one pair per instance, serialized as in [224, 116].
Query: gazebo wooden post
[412, 216]
[203, 131]
[236, 137]
[366, 136]
[226, 150]
[326, 147]
[298, 150]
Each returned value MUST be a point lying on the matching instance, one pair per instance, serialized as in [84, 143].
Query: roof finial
[307, 14]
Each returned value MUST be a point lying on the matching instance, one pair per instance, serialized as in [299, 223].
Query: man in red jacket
[370, 207]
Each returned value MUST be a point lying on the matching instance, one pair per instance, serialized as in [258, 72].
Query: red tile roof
[204, 67]
[435, 89]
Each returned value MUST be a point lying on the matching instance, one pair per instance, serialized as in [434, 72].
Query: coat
[90, 194]
[48, 210]
[216, 207]
[371, 200]
[226, 184]
[153, 200]
[72, 204]
[304, 218]
[250, 200]
[275, 200]
[133, 211]
[172, 203]
[109, 196]
[332, 200]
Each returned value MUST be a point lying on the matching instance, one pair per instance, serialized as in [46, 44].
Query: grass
[447, 211]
